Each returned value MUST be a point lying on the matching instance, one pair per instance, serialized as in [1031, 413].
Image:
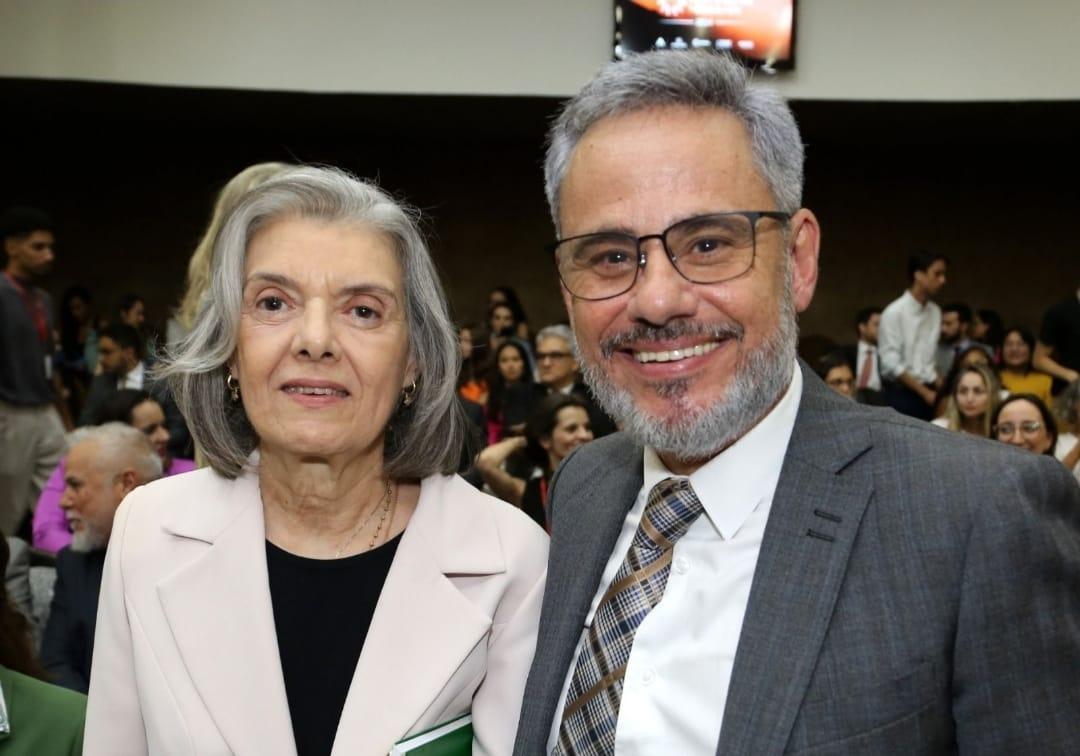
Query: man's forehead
[82, 458]
[554, 341]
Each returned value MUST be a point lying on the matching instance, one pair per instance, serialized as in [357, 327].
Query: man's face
[135, 316]
[639, 173]
[31, 255]
[114, 360]
[555, 361]
[91, 496]
[932, 280]
[952, 328]
[868, 331]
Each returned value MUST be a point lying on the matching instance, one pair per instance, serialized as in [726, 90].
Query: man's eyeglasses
[1027, 428]
[541, 356]
[705, 249]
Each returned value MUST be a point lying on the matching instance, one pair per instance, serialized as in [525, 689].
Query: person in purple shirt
[131, 406]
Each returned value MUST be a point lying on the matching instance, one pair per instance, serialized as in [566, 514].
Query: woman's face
[149, 418]
[511, 366]
[79, 310]
[1015, 352]
[841, 380]
[572, 429]
[502, 318]
[465, 343]
[972, 395]
[979, 328]
[322, 352]
[1021, 424]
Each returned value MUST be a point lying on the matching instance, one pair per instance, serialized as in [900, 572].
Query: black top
[322, 611]
[1061, 330]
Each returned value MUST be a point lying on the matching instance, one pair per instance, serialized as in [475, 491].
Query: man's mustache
[674, 330]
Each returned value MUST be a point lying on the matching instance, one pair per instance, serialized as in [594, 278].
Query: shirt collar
[913, 302]
[135, 376]
[736, 481]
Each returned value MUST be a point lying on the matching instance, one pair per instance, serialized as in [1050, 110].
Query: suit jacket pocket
[860, 709]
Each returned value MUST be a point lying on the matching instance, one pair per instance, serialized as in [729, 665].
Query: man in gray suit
[756, 565]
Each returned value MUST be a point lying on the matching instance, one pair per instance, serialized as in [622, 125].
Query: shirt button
[682, 565]
[647, 677]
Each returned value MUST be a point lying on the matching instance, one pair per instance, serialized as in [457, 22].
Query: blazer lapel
[423, 627]
[819, 502]
[220, 612]
[595, 489]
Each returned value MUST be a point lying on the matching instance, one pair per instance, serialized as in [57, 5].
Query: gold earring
[408, 394]
[233, 386]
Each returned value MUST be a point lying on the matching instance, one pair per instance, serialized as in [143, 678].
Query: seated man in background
[120, 358]
[956, 323]
[105, 464]
[558, 368]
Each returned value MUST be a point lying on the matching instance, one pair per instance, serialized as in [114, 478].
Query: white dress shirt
[908, 339]
[864, 349]
[677, 677]
[134, 379]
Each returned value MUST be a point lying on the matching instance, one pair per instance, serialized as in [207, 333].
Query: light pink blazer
[185, 653]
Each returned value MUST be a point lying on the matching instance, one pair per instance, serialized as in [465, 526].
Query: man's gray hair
[558, 331]
[695, 79]
[421, 439]
[119, 445]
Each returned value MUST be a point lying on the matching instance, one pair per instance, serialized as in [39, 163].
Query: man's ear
[805, 247]
[128, 481]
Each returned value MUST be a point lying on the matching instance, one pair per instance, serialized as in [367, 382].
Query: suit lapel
[220, 612]
[590, 497]
[819, 502]
[423, 627]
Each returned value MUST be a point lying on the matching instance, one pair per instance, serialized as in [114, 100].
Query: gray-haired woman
[328, 585]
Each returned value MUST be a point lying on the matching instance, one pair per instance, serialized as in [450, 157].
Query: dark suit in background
[68, 643]
[916, 591]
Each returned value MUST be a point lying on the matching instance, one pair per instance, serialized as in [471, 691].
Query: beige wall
[846, 49]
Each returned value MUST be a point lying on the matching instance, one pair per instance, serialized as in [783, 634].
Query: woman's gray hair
[423, 438]
[695, 79]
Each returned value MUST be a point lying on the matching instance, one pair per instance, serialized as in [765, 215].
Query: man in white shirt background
[864, 358]
[754, 565]
[120, 360]
[908, 339]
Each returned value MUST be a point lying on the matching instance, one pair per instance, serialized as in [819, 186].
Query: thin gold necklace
[364, 522]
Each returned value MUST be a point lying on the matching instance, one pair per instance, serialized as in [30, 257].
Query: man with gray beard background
[756, 565]
[104, 465]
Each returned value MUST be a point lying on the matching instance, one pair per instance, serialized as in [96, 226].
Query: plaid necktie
[592, 702]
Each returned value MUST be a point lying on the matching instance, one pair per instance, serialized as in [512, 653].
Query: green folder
[453, 738]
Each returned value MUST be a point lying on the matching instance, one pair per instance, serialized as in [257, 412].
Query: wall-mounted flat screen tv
[761, 32]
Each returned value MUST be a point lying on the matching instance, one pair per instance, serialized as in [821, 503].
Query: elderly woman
[327, 585]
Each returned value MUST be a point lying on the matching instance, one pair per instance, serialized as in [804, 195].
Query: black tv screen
[761, 32]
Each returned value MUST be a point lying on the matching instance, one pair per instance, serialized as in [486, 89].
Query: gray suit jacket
[917, 591]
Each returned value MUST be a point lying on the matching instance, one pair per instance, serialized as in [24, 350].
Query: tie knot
[671, 510]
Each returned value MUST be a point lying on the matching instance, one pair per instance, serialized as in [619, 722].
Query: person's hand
[1071, 375]
[928, 395]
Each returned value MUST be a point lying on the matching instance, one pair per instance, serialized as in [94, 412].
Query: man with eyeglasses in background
[756, 565]
[558, 369]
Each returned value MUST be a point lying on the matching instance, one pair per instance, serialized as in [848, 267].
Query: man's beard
[697, 433]
[88, 538]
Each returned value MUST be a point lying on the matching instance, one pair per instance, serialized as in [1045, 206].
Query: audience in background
[908, 339]
[837, 372]
[105, 463]
[35, 716]
[987, 328]
[864, 357]
[1023, 420]
[133, 407]
[76, 356]
[120, 352]
[1017, 373]
[511, 391]
[32, 413]
[558, 425]
[472, 385]
[955, 337]
[972, 402]
[557, 367]
[1067, 414]
[1058, 349]
[506, 295]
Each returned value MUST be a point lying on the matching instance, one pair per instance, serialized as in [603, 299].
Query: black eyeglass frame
[751, 215]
